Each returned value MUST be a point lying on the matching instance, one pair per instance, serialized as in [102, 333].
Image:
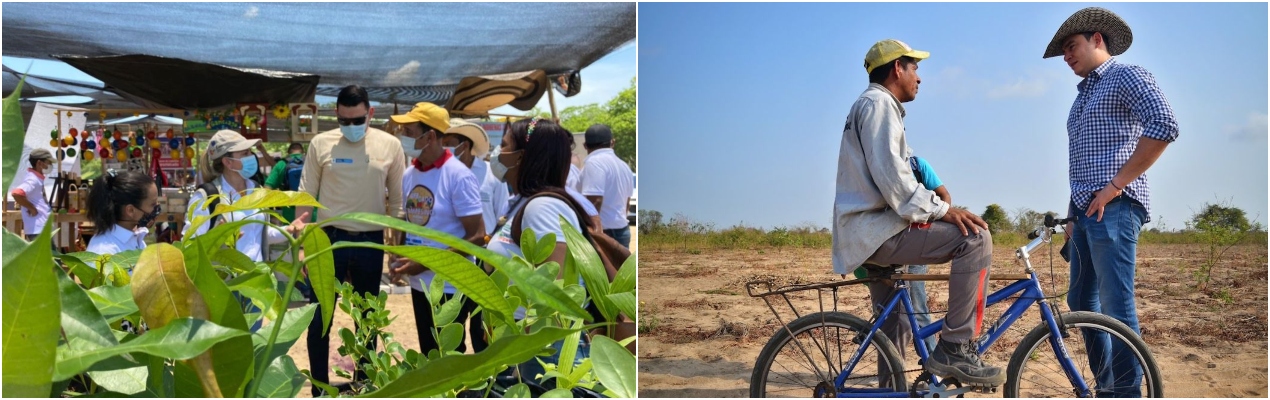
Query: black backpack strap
[210, 189]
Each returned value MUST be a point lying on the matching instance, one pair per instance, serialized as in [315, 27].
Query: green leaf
[86, 273]
[83, 325]
[451, 372]
[518, 391]
[219, 237]
[235, 260]
[294, 324]
[264, 198]
[449, 310]
[281, 379]
[181, 339]
[587, 262]
[624, 302]
[455, 269]
[557, 394]
[614, 366]
[536, 251]
[31, 313]
[232, 359]
[580, 371]
[114, 302]
[624, 281]
[330, 390]
[259, 287]
[405, 226]
[14, 137]
[451, 337]
[159, 382]
[321, 266]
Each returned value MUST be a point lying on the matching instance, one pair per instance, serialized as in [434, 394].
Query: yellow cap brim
[403, 119]
[920, 55]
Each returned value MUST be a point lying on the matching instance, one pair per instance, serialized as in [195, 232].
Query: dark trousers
[424, 323]
[362, 268]
[621, 235]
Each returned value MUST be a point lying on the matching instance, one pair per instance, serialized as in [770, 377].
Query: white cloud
[402, 76]
[1253, 129]
[1031, 87]
[252, 12]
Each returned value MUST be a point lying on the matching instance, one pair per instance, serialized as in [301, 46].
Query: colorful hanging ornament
[121, 156]
[54, 134]
[281, 111]
[156, 153]
[88, 155]
[176, 154]
[174, 144]
[74, 132]
[155, 143]
[120, 144]
[170, 133]
[151, 134]
[61, 155]
[118, 134]
[104, 152]
[69, 114]
[136, 152]
[55, 143]
[68, 141]
[70, 153]
[90, 144]
[189, 140]
[189, 153]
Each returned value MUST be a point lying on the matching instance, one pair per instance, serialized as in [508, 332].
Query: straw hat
[480, 139]
[1093, 19]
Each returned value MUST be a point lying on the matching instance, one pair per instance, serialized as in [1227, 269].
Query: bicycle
[1042, 365]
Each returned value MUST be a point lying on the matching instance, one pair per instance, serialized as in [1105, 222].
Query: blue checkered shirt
[1117, 103]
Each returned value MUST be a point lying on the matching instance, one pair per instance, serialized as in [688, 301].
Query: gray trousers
[938, 243]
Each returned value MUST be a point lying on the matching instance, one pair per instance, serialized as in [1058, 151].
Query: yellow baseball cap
[888, 50]
[427, 113]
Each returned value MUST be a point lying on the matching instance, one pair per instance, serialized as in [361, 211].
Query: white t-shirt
[606, 175]
[32, 187]
[117, 240]
[437, 199]
[586, 204]
[574, 181]
[250, 242]
[543, 216]
[493, 195]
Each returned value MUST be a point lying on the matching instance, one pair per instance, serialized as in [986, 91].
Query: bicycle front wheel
[1035, 371]
[804, 358]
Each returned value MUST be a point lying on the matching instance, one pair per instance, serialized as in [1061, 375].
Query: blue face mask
[354, 133]
[249, 166]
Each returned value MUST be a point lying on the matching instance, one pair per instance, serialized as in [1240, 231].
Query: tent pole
[551, 96]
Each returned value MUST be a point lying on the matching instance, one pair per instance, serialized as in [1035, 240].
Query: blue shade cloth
[410, 51]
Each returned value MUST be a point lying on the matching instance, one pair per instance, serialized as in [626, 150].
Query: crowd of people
[438, 172]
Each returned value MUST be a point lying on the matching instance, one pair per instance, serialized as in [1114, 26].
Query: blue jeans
[621, 235]
[1102, 276]
[917, 295]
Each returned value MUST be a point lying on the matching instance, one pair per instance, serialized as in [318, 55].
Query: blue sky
[742, 105]
[601, 80]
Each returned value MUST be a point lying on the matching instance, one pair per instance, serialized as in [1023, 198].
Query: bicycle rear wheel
[1034, 369]
[806, 363]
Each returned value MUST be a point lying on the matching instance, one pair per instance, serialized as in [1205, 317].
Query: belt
[919, 225]
[331, 231]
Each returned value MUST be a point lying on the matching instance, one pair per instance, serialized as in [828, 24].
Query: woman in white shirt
[227, 167]
[122, 205]
[534, 159]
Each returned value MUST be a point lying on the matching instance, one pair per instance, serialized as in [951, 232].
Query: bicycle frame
[1030, 293]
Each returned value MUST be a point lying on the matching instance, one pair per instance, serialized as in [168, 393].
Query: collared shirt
[877, 195]
[251, 237]
[32, 187]
[117, 240]
[608, 176]
[1117, 103]
[355, 176]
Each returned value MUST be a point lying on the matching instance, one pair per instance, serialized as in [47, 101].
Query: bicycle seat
[878, 271]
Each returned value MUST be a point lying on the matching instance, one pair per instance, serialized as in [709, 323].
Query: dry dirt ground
[706, 332]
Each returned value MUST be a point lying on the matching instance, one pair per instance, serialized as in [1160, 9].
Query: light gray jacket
[877, 194]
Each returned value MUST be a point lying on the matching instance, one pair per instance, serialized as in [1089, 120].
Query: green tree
[622, 117]
[996, 218]
[1220, 226]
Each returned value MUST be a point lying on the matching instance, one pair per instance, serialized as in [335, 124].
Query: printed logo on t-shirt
[419, 205]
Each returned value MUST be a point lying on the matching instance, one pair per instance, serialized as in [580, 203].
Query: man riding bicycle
[883, 215]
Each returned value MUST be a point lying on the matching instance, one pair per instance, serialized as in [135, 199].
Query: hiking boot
[960, 360]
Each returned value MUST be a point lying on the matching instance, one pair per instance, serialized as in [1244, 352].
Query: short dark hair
[880, 73]
[1106, 41]
[111, 192]
[352, 95]
[295, 147]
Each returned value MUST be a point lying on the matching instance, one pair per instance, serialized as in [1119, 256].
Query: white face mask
[408, 143]
[496, 166]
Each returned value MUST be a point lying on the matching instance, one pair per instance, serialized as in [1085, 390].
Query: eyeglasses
[351, 121]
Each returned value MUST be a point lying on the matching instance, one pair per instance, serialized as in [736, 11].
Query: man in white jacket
[883, 216]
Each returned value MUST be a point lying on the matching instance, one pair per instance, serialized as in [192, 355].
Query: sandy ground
[402, 329]
[707, 332]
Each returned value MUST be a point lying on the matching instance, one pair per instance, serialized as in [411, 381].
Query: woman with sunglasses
[122, 206]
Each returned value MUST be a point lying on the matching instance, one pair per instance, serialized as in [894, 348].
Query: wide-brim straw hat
[480, 139]
[1093, 19]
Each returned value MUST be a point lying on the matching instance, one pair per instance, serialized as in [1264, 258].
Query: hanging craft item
[170, 133]
[155, 143]
[104, 152]
[118, 134]
[90, 144]
[189, 141]
[121, 156]
[151, 134]
[253, 120]
[189, 153]
[136, 152]
[281, 111]
[156, 153]
[70, 153]
[120, 144]
[55, 143]
[54, 134]
[176, 154]
[68, 141]
[74, 132]
[88, 155]
[174, 144]
[61, 154]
